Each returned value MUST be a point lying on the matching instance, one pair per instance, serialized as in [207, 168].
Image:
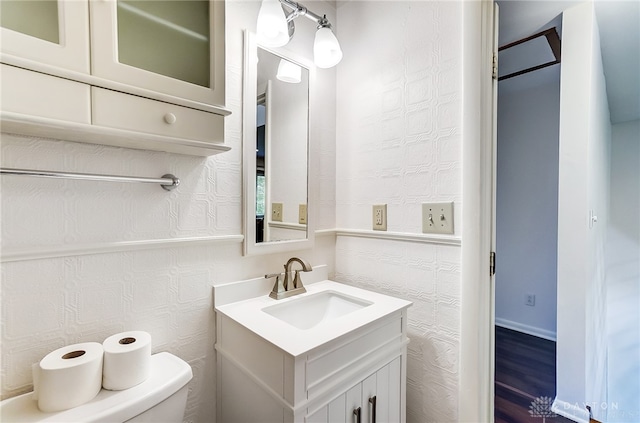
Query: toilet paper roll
[127, 360]
[68, 377]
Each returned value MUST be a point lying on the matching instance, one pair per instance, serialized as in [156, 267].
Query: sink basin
[311, 310]
[304, 322]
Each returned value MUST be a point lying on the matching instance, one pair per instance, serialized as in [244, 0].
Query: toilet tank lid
[168, 375]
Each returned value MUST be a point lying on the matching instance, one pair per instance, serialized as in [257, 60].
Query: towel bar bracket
[174, 185]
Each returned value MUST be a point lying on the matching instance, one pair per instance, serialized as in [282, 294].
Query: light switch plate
[302, 214]
[276, 212]
[437, 218]
[380, 217]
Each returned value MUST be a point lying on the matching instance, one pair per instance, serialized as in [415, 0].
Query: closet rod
[168, 181]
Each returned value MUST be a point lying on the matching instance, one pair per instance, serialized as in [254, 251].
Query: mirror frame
[249, 117]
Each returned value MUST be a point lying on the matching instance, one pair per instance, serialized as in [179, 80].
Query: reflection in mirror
[281, 148]
[276, 150]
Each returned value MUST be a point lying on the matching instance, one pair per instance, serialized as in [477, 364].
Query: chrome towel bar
[168, 181]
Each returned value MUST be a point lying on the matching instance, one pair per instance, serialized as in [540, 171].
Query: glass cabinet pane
[168, 37]
[37, 18]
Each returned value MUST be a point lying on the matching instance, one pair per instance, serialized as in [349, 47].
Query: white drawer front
[37, 94]
[123, 111]
[333, 360]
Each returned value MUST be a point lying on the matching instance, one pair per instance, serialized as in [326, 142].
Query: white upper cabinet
[149, 73]
[51, 32]
[175, 47]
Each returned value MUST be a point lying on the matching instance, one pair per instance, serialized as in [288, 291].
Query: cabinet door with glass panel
[174, 47]
[50, 32]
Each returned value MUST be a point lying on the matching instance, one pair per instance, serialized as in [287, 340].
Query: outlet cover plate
[276, 212]
[302, 214]
[530, 300]
[379, 217]
[437, 218]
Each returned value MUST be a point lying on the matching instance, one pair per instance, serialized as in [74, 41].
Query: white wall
[527, 206]
[164, 289]
[399, 136]
[623, 275]
[585, 137]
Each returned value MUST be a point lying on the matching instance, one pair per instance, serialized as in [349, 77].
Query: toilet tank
[160, 398]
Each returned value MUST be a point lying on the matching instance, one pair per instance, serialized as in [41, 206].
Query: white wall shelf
[401, 236]
[20, 124]
[38, 253]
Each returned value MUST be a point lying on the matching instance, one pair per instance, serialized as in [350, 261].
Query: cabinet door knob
[170, 118]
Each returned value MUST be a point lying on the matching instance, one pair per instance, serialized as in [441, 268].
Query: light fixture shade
[326, 49]
[272, 27]
[289, 72]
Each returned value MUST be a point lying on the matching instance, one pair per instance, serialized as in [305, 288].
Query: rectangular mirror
[276, 116]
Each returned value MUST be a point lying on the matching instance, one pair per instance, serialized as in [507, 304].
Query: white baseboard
[530, 330]
[570, 411]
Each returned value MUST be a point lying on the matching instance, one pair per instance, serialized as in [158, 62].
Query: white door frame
[476, 393]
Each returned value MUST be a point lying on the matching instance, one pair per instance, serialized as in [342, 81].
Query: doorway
[526, 220]
[594, 129]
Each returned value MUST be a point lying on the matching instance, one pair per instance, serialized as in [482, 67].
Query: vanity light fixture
[326, 49]
[275, 29]
[272, 26]
[289, 72]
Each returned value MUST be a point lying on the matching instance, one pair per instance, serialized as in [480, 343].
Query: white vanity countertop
[249, 313]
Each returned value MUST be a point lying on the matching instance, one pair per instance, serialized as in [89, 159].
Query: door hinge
[494, 72]
[492, 263]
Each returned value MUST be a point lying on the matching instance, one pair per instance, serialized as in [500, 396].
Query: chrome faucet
[289, 283]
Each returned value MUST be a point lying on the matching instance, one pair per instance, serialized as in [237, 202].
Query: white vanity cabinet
[375, 400]
[158, 63]
[340, 371]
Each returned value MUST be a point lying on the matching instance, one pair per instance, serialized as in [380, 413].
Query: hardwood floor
[525, 372]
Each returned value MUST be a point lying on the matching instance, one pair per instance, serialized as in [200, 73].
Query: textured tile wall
[48, 212]
[399, 128]
[48, 303]
[399, 142]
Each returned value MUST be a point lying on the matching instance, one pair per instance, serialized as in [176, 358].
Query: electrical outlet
[276, 212]
[437, 218]
[380, 217]
[302, 214]
[530, 299]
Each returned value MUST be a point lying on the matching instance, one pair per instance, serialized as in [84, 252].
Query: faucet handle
[278, 287]
[297, 281]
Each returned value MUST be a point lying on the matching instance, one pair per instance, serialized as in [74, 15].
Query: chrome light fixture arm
[275, 28]
[300, 10]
